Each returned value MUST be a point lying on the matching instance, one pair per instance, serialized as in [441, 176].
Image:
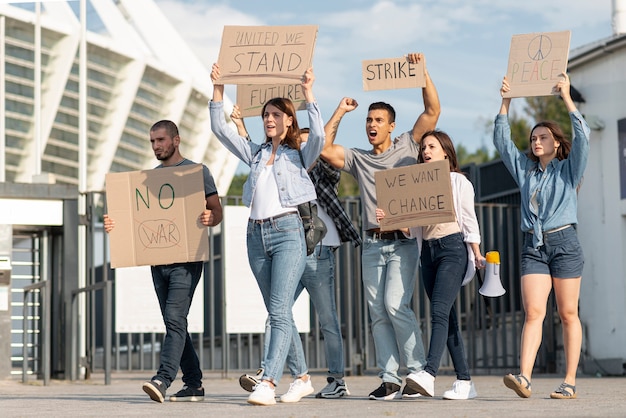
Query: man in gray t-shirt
[389, 260]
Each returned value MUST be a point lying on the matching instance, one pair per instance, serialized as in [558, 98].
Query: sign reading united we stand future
[266, 54]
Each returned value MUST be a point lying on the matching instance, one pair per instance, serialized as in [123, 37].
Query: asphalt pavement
[597, 397]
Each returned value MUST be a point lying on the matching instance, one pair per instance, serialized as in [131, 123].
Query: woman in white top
[449, 254]
[277, 184]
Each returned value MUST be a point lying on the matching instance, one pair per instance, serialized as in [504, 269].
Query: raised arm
[235, 116]
[563, 88]
[506, 101]
[218, 89]
[427, 120]
[333, 153]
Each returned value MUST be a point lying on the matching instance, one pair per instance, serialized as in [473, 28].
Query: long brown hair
[446, 145]
[565, 145]
[292, 139]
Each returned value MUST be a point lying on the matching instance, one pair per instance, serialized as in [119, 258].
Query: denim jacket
[294, 184]
[555, 187]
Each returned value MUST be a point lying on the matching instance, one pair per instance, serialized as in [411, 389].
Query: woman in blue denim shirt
[548, 178]
[277, 184]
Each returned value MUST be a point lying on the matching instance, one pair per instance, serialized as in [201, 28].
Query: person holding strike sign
[449, 254]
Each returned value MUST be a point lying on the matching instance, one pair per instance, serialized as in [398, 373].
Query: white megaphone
[492, 286]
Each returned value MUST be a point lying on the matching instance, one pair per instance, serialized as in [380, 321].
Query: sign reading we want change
[157, 216]
[266, 54]
[415, 195]
[392, 73]
[536, 62]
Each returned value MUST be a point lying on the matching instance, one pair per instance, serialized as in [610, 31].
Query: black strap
[485, 298]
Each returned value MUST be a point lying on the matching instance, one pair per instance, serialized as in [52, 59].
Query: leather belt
[549, 231]
[387, 235]
[262, 221]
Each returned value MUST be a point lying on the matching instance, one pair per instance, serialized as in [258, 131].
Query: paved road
[597, 397]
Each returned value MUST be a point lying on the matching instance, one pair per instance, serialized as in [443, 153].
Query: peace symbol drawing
[540, 47]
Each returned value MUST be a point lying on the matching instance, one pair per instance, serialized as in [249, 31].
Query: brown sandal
[515, 382]
[565, 391]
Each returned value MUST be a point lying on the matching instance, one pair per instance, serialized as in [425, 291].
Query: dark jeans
[174, 285]
[444, 261]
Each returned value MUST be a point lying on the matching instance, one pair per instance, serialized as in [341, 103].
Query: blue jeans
[444, 262]
[175, 285]
[277, 257]
[389, 273]
[319, 280]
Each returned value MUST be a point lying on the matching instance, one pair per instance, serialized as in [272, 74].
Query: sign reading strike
[252, 98]
[157, 216]
[392, 73]
[266, 54]
[536, 61]
[415, 195]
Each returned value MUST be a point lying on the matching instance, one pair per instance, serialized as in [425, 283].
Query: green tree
[236, 185]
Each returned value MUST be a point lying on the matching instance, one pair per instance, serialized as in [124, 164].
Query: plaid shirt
[326, 178]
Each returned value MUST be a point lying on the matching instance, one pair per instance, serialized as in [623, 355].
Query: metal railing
[491, 327]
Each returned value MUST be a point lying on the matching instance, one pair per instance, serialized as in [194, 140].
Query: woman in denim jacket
[277, 184]
[548, 177]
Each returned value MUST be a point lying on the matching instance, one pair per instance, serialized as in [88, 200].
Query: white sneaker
[263, 394]
[422, 382]
[297, 390]
[461, 389]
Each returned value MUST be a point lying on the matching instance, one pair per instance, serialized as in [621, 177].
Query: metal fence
[491, 326]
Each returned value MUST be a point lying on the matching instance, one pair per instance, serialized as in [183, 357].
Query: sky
[465, 43]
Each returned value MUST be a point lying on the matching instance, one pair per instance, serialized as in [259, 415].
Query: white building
[139, 71]
[599, 72]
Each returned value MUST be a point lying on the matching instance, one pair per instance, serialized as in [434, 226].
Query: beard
[165, 154]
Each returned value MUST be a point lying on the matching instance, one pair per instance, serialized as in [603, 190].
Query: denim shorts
[560, 256]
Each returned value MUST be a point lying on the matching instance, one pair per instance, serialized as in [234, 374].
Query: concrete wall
[601, 212]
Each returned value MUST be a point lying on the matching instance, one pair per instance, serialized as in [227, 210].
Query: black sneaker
[187, 394]
[249, 381]
[410, 393]
[155, 389]
[385, 392]
[336, 388]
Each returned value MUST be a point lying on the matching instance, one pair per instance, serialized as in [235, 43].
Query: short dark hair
[384, 106]
[170, 127]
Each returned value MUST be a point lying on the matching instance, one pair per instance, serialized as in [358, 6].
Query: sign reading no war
[536, 61]
[266, 54]
[157, 216]
[415, 195]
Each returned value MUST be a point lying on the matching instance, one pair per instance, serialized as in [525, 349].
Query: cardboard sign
[415, 195]
[393, 73]
[252, 98]
[157, 216]
[536, 61]
[266, 54]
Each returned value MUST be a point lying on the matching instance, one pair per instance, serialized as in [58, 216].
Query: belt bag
[314, 227]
